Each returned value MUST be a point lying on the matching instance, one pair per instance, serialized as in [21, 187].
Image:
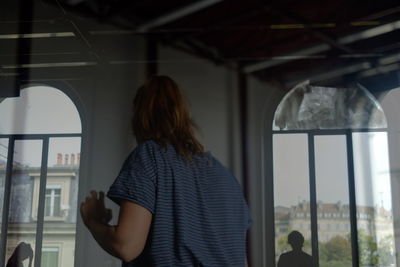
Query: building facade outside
[60, 209]
[374, 224]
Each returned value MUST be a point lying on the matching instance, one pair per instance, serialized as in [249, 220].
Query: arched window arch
[40, 144]
[331, 176]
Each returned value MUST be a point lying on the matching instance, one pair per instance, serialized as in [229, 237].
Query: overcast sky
[47, 110]
[291, 177]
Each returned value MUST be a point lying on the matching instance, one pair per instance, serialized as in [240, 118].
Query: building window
[52, 206]
[330, 154]
[49, 257]
[40, 143]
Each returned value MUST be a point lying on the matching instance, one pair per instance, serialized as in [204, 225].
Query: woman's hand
[127, 239]
[93, 209]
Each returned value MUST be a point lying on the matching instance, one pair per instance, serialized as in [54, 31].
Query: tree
[335, 253]
[338, 248]
[368, 249]
[386, 251]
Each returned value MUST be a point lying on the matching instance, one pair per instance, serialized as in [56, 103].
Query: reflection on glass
[333, 201]
[60, 208]
[21, 232]
[308, 107]
[374, 200]
[291, 190]
[3, 165]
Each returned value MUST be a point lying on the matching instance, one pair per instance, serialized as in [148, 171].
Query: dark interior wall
[262, 102]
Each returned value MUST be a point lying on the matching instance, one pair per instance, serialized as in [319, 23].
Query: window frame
[266, 194]
[42, 189]
[311, 134]
[66, 88]
[52, 249]
[62, 182]
[54, 193]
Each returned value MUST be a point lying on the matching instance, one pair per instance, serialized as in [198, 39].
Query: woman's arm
[125, 240]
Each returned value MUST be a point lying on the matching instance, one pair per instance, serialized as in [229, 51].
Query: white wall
[212, 94]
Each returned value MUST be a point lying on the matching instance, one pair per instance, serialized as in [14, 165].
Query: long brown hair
[161, 113]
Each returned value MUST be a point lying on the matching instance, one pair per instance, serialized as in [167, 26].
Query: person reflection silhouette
[22, 252]
[296, 257]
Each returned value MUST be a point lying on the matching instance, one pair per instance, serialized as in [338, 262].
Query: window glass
[374, 199]
[44, 111]
[331, 175]
[62, 197]
[3, 166]
[39, 110]
[22, 215]
[291, 190]
[49, 257]
[308, 107]
[52, 202]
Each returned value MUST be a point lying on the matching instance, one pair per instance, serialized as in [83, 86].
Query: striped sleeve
[135, 181]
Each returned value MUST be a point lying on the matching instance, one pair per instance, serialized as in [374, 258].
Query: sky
[371, 166]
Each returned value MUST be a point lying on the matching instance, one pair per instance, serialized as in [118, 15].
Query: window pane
[291, 190]
[49, 257]
[3, 166]
[62, 187]
[47, 207]
[333, 211]
[308, 107]
[374, 199]
[39, 109]
[56, 207]
[52, 203]
[23, 209]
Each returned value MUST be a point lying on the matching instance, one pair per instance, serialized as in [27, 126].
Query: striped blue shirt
[199, 214]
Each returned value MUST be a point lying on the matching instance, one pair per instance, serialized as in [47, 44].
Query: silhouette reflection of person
[21, 253]
[297, 257]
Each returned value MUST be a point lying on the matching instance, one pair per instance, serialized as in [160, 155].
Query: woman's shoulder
[155, 150]
[148, 146]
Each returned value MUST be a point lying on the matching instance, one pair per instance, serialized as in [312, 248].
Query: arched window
[332, 177]
[40, 143]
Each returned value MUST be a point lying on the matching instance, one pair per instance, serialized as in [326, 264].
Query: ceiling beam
[366, 68]
[223, 24]
[318, 34]
[348, 39]
[177, 14]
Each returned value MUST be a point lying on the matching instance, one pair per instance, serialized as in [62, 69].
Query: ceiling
[328, 42]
